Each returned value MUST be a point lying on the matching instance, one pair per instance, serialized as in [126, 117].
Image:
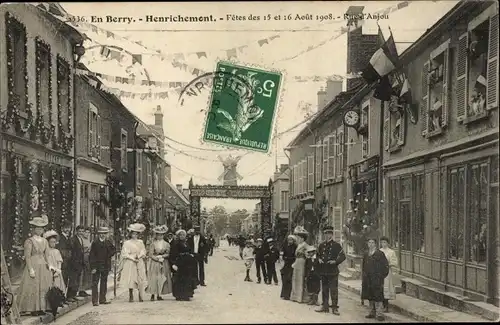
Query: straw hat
[270, 240]
[180, 231]
[190, 231]
[103, 230]
[137, 227]
[311, 249]
[50, 233]
[259, 240]
[41, 221]
[160, 229]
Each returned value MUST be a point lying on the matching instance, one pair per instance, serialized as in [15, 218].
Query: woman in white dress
[159, 272]
[389, 288]
[299, 267]
[133, 273]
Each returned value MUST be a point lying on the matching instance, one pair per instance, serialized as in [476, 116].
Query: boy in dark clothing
[272, 256]
[260, 263]
[101, 251]
[313, 280]
[241, 241]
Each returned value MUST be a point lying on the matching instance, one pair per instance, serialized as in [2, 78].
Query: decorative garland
[31, 185]
[44, 132]
[70, 202]
[64, 197]
[53, 200]
[65, 140]
[16, 248]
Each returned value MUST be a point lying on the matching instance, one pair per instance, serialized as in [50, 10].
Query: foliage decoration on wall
[43, 52]
[65, 139]
[16, 249]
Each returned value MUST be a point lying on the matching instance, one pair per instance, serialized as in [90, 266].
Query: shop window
[456, 189]
[405, 212]
[478, 213]
[84, 204]
[477, 67]
[418, 222]
[394, 218]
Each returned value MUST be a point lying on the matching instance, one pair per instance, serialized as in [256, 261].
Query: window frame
[284, 204]
[139, 159]
[149, 173]
[12, 25]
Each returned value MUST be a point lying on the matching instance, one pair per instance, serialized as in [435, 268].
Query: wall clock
[351, 118]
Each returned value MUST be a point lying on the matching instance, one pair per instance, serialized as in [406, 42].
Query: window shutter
[301, 176]
[331, 156]
[424, 103]
[337, 223]
[325, 158]
[387, 127]
[492, 69]
[318, 162]
[99, 133]
[402, 129]
[310, 174]
[462, 70]
[293, 178]
[303, 183]
[444, 108]
[91, 135]
[340, 154]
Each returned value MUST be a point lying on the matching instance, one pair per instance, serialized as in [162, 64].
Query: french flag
[382, 62]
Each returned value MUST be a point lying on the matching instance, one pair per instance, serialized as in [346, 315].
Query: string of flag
[178, 59]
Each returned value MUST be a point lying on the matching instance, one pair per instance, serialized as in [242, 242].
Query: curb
[65, 310]
[395, 308]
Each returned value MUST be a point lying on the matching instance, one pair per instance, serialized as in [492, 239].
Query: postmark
[241, 115]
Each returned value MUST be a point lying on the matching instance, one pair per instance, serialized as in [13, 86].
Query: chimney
[185, 192]
[283, 167]
[360, 48]
[159, 117]
[333, 88]
[322, 101]
[178, 187]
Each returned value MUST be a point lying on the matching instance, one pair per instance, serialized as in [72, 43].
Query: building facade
[442, 183]
[93, 111]
[177, 204]
[37, 127]
[280, 204]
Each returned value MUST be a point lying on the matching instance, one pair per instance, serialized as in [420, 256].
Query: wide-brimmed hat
[259, 239]
[270, 240]
[190, 231]
[50, 233]
[292, 237]
[300, 230]
[102, 230]
[196, 228]
[137, 227]
[160, 229]
[40, 221]
[180, 231]
[311, 249]
[328, 229]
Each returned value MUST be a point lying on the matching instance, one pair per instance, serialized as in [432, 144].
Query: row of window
[151, 176]
[327, 164]
[472, 191]
[17, 46]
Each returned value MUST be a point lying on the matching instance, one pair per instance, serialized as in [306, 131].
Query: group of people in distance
[167, 265]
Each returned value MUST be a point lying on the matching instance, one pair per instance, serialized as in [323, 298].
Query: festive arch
[248, 192]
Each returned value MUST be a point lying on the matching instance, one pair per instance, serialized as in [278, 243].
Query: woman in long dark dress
[181, 260]
[375, 269]
[288, 252]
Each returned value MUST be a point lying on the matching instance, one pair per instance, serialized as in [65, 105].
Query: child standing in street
[248, 257]
[313, 280]
[260, 263]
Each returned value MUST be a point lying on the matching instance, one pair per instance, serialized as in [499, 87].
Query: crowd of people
[307, 271]
[170, 264]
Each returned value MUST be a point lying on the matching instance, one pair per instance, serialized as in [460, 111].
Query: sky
[183, 124]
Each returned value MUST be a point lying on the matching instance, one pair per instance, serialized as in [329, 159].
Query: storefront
[443, 220]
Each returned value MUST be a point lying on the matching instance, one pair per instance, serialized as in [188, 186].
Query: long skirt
[389, 288]
[32, 291]
[298, 293]
[159, 277]
[133, 275]
[182, 286]
[286, 281]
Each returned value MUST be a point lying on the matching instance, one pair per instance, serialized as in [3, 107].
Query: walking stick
[114, 278]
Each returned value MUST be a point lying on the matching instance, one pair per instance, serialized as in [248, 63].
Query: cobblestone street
[225, 299]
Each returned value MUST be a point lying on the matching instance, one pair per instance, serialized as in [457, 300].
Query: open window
[477, 68]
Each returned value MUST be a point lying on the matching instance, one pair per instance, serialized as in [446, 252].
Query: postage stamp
[242, 107]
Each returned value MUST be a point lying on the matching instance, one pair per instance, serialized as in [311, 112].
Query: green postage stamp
[242, 107]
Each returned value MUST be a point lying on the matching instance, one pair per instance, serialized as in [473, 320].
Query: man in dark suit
[76, 263]
[199, 247]
[330, 255]
[101, 251]
[64, 247]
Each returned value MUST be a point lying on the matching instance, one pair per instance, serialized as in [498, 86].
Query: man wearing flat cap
[330, 255]
[199, 247]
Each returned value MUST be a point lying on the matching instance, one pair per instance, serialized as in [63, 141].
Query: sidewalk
[36, 320]
[417, 309]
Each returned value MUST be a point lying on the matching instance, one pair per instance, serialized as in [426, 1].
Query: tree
[219, 216]
[236, 220]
